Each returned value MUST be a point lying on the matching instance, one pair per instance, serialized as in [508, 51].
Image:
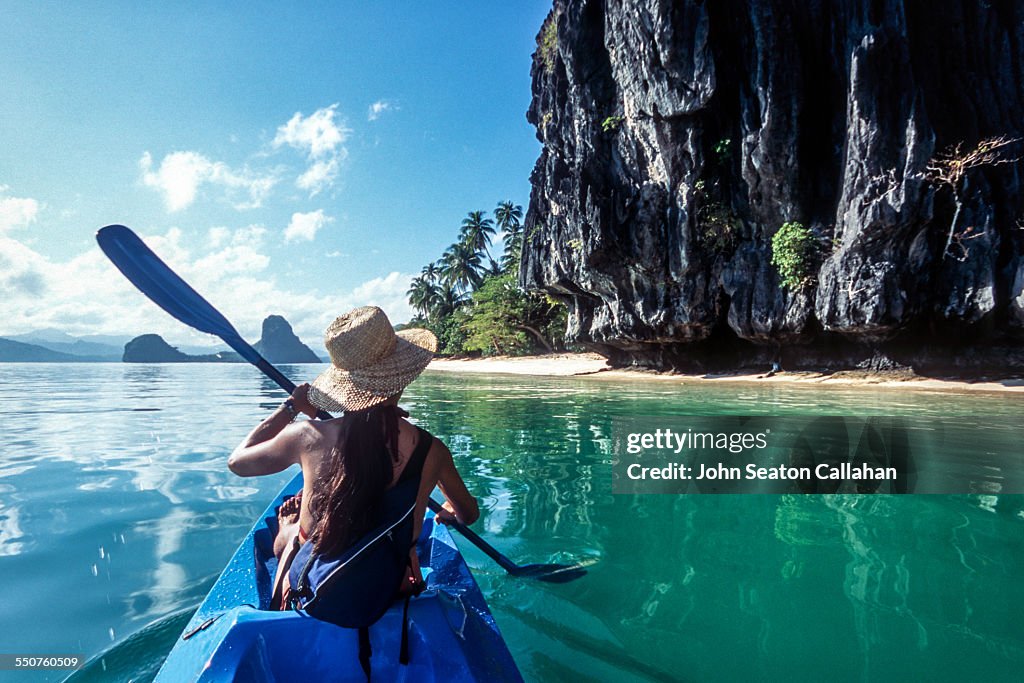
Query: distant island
[151, 348]
[278, 344]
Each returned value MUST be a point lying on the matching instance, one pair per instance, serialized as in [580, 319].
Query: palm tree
[477, 232]
[447, 300]
[461, 266]
[422, 294]
[431, 272]
[513, 249]
[493, 269]
[509, 217]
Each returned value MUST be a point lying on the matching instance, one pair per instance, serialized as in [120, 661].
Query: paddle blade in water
[552, 573]
[156, 280]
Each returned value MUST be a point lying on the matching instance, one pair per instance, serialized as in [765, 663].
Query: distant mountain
[20, 352]
[278, 343]
[38, 336]
[118, 340]
[83, 348]
[95, 347]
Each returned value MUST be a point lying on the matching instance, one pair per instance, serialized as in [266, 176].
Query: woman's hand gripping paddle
[166, 289]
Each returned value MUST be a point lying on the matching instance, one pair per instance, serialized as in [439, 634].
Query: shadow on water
[138, 657]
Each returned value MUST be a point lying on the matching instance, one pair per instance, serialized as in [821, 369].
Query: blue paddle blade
[156, 280]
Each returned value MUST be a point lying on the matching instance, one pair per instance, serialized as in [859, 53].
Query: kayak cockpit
[452, 634]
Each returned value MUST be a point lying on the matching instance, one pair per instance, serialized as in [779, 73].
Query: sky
[289, 158]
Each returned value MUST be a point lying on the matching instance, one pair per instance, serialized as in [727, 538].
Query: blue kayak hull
[452, 634]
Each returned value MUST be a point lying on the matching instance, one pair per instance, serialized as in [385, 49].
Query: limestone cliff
[679, 136]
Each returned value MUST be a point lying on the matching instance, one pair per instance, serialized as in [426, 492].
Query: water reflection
[10, 530]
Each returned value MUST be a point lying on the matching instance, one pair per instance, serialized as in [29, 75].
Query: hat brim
[347, 390]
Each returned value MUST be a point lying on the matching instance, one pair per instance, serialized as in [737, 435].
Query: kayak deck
[452, 634]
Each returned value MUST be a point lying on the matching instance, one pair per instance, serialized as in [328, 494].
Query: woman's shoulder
[416, 435]
[317, 433]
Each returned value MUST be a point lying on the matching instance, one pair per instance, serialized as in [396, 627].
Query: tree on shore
[477, 232]
[461, 267]
[509, 219]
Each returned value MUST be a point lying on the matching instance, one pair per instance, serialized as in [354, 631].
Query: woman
[349, 462]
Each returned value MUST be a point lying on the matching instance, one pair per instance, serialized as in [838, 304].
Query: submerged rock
[678, 137]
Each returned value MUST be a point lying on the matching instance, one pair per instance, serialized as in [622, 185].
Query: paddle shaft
[471, 536]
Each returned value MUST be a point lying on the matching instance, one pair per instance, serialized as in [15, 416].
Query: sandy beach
[592, 365]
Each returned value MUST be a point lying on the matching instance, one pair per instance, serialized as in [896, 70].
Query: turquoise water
[117, 513]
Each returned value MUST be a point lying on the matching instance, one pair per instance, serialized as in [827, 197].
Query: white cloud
[317, 134]
[218, 236]
[22, 271]
[319, 175]
[181, 174]
[388, 292]
[378, 108]
[16, 212]
[251, 235]
[304, 226]
[322, 138]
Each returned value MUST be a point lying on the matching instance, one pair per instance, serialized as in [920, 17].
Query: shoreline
[592, 365]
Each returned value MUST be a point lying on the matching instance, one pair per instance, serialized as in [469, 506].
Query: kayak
[234, 637]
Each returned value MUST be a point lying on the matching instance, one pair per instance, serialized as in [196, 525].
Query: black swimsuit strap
[414, 467]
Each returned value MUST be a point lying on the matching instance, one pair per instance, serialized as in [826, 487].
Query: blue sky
[296, 160]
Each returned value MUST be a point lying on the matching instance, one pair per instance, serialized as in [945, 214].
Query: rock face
[151, 348]
[279, 344]
[678, 137]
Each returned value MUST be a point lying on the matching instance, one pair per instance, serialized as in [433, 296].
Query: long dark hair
[359, 469]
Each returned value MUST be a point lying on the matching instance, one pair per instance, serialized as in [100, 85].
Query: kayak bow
[233, 636]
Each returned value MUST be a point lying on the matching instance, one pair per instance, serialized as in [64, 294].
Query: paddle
[166, 289]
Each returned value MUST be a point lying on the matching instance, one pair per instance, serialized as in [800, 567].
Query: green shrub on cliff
[612, 123]
[794, 248]
[548, 44]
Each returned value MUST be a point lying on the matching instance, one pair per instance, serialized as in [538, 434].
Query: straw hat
[371, 362]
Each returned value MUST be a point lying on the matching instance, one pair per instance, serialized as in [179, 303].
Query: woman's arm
[275, 443]
[460, 504]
